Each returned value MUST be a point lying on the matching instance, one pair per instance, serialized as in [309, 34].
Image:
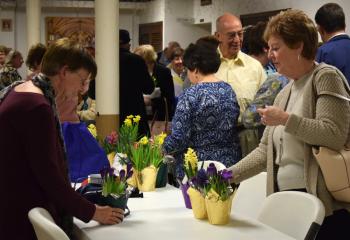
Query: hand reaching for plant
[108, 215]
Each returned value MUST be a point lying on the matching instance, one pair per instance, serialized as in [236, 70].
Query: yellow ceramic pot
[146, 180]
[198, 203]
[110, 157]
[218, 211]
[132, 181]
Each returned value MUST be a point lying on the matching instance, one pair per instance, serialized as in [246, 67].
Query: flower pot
[132, 181]
[114, 202]
[197, 203]
[146, 180]
[187, 200]
[162, 176]
[218, 211]
[110, 157]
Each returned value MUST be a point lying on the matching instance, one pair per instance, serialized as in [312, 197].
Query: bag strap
[166, 116]
[335, 95]
[322, 66]
[154, 119]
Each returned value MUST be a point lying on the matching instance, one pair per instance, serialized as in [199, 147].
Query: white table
[162, 215]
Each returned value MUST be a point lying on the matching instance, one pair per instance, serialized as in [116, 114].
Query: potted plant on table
[114, 187]
[146, 157]
[128, 134]
[218, 195]
[109, 145]
[195, 184]
[190, 169]
[157, 159]
[118, 145]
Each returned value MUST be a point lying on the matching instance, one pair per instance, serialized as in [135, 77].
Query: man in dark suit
[330, 19]
[134, 82]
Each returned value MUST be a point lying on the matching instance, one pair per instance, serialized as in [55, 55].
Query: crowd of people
[247, 97]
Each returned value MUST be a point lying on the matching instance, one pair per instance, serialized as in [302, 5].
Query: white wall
[129, 20]
[15, 39]
[7, 38]
[309, 7]
[154, 12]
[210, 13]
[178, 25]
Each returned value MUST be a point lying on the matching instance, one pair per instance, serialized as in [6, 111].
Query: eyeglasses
[232, 35]
[83, 80]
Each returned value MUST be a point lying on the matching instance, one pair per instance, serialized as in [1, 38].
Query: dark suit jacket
[164, 81]
[134, 82]
[336, 52]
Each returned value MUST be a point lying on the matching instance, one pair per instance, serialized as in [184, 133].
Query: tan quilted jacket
[325, 123]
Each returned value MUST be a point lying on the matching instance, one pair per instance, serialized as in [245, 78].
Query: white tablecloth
[162, 215]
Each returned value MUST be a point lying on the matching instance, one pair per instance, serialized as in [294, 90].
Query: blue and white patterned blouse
[205, 120]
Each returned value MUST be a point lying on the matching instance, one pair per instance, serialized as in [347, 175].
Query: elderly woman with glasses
[303, 115]
[32, 150]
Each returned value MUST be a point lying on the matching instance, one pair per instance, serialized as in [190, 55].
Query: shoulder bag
[157, 127]
[335, 164]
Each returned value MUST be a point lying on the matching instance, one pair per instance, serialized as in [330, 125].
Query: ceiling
[119, 0]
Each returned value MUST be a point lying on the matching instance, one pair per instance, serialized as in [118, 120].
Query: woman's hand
[108, 215]
[273, 116]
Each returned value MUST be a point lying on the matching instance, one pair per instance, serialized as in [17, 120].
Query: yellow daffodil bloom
[159, 139]
[136, 119]
[130, 117]
[144, 140]
[92, 129]
[128, 122]
[191, 157]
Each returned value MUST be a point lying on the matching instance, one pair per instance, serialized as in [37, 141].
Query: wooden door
[151, 33]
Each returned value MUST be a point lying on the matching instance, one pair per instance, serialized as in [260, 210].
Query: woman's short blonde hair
[294, 27]
[147, 53]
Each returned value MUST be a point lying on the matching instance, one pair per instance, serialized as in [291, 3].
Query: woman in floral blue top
[206, 114]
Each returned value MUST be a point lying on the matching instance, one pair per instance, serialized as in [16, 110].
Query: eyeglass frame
[83, 80]
[233, 34]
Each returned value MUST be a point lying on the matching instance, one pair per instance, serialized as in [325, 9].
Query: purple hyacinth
[226, 175]
[202, 178]
[107, 171]
[211, 170]
[129, 170]
[194, 182]
[109, 140]
[122, 174]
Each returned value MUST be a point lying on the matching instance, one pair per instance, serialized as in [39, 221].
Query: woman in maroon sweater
[32, 157]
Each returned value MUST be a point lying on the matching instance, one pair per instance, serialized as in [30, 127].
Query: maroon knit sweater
[32, 167]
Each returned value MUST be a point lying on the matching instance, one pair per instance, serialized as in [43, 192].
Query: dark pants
[336, 226]
[249, 140]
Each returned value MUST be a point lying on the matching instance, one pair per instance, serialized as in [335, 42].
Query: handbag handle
[347, 144]
[166, 116]
[337, 95]
[322, 66]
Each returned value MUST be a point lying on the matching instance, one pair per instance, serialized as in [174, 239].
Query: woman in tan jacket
[299, 119]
